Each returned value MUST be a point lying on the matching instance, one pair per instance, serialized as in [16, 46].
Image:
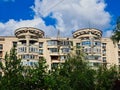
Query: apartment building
[32, 45]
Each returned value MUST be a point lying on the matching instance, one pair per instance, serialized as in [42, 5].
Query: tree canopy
[116, 32]
[74, 74]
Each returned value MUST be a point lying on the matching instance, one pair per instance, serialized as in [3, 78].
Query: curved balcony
[22, 49]
[87, 33]
[29, 57]
[29, 31]
[33, 49]
[28, 62]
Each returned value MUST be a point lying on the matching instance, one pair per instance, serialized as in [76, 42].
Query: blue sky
[65, 15]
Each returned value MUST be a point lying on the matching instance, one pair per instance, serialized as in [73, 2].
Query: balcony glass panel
[1, 46]
[93, 57]
[21, 49]
[52, 42]
[33, 49]
[65, 50]
[53, 50]
[86, 43]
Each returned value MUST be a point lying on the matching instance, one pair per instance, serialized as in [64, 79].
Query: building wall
[55, 50]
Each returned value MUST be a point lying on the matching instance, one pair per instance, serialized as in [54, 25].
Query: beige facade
[32, 45]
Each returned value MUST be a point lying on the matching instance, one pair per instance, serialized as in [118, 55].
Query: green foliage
[35, 76]
[116, 32]
[74, 74]
[12, 72]
[105, 78]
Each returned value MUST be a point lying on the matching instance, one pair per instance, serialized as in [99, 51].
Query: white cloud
[9, 27]
[74, 14]
[108, 33]
[70, 15]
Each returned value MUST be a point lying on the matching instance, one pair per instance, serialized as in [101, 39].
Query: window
[63, 57]
[65, 50]
[52, 50]
[22, 49]
[86, 43]
[41, 51]
[119, 53]
[1, 53]
[65, 43]
[33, 49]
[97, 43]
[28, 63]
[119, 60]
[96, 64]
[104, 59]
[27, 56]
[54, 65]
[118, 46]
[78, 45]
[31, 63]
[14, 44]
[40, 44]
[52, 42]
[93, 57]
[1, 46]
[70, 43]
[103, 45]
[104, 52]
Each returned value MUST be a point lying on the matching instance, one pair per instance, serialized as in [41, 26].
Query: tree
[11, 72]
[35, 76]
[74, 74]
[105, 78]
[116, 32]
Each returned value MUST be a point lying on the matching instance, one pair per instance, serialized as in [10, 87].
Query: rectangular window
[63, 58]
[119, 53]
[14, 44]
[65, 50]
[119, 60]
[1, 46]
[41, 51]
[53, 50]
[65, 43]
[78, 45]
[52, 42]
[22, 49]
[104, 52]
[103, 45]
[40, 44]
[86, 43]
[118, 46]
[104, 59]
[97, 43]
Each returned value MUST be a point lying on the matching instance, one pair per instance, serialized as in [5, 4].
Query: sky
[66, 16]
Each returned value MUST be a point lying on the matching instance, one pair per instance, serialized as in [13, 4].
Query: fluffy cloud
[108, 33]
[75, 14]
[70, 15]
[9, 27]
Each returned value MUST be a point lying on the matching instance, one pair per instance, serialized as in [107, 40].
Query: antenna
[58, 34]
[89, 24]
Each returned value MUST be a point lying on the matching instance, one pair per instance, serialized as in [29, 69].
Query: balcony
[22, 48]
[33, 49]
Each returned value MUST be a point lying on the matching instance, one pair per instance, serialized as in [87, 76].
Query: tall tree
[11, 72]
[116, 32]
[105, 78]
[74, 74]
[35, 76]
